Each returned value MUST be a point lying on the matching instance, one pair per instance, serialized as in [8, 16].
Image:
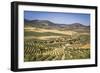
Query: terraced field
[47, 45]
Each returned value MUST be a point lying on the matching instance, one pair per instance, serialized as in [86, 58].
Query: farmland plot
[41, 44]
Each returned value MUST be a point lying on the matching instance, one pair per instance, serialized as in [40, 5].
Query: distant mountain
[46, 23]
[77, 25]
[39, 22]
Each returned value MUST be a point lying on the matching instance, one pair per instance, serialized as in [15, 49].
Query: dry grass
[48, 30]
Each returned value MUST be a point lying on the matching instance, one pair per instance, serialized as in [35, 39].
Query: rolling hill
[49, 24]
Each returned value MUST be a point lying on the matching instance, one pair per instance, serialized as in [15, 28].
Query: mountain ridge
[41, 23]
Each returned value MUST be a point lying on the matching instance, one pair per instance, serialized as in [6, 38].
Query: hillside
[50, 25]
[47, 41]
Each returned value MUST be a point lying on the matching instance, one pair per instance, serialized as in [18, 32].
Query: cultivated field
[42, 44]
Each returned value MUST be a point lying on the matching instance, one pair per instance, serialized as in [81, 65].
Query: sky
[58, 17]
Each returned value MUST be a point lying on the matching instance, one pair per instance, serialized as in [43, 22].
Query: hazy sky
[58, 17]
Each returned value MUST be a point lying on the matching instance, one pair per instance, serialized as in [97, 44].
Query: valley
[47, 41]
